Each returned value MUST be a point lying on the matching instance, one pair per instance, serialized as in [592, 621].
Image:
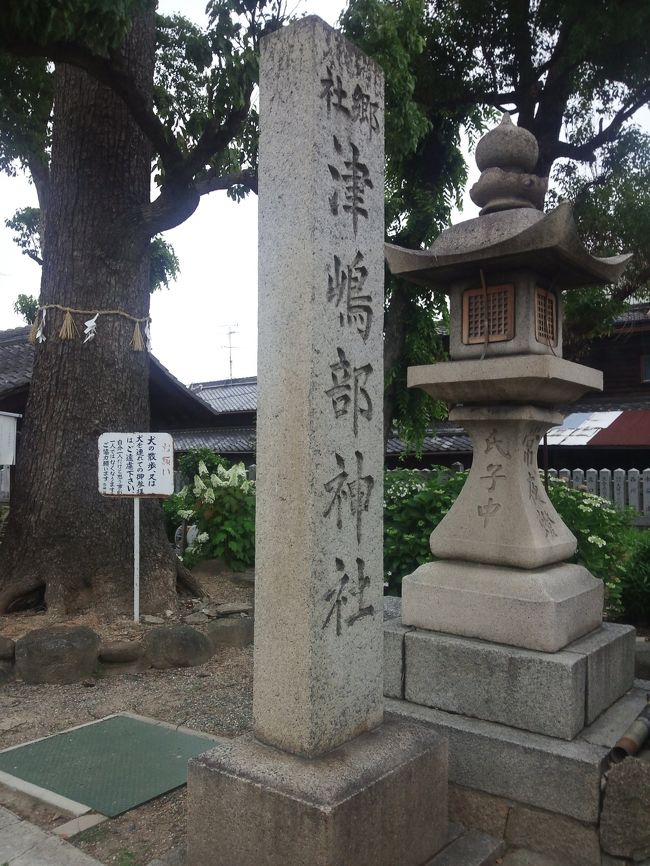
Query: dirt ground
[214, 698]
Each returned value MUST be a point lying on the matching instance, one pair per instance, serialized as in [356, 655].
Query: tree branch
[213, 183]
[34, 257]
[111, 72]
[40, 173]
[586, 152]
[179, 197]
[216, 137]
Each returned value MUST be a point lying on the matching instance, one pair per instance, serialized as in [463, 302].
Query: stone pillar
[323, 781]
[319, 568]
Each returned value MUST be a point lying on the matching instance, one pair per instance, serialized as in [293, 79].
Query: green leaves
[27, 307]
[611, 202]
[635, 585]
[220, 502]
[603, 533]
[414, 504]
[26, 96]
[26, 226]
[164, 266]
[97, 24]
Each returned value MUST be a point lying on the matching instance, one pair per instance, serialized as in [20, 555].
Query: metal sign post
[138, 466]
[136, 559]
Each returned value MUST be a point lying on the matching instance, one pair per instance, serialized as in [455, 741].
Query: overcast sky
[217, 247]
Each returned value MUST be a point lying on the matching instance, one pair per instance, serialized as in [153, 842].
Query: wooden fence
[625, 488]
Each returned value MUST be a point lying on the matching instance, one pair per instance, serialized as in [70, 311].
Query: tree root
[22, 595]
[187, 584]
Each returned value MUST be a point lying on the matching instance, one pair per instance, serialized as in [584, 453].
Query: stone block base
[549, 693]
[541, 609]
[565, 840]
[378, 800]
[533, 770]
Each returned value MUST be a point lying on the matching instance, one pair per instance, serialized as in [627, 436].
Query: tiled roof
[228, 395]
[635, 314]
[454, 440]
[223, 440]
[599, 403]
[16, 360]
[241, 440]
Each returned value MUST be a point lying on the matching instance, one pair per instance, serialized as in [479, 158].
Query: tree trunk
[394, 338]
[62, 534]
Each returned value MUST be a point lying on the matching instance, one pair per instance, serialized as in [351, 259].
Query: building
[173, 406]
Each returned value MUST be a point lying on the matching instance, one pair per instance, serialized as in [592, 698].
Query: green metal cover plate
[111, 765]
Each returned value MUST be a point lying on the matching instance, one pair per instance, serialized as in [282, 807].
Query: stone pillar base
[542, 609]
[378, 800]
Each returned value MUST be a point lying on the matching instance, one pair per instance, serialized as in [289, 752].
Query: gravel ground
[214, 698]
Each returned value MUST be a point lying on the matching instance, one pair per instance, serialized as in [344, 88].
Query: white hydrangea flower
[597, 540]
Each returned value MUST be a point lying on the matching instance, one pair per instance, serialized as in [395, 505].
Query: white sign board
[8, 423]
[136, 464]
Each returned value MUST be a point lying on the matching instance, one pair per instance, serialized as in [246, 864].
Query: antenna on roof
[230, 332]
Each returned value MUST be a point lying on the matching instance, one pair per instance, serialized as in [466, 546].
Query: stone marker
[322, 782]
[318, 642]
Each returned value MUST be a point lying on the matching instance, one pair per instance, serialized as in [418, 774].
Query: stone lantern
[500, 572]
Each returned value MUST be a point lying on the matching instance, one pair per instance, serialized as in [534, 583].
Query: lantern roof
[511, 231]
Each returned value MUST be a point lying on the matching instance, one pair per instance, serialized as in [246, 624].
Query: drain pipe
[633, 738]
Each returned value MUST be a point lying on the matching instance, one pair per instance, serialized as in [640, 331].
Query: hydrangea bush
[415, 503]
[604, 537]
[635, 587]
[221, 504]
[220, 501]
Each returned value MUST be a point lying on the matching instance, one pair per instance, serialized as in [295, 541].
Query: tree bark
[61, 533]
[394, 337]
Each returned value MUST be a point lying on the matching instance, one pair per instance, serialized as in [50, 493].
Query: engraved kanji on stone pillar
[319, 570]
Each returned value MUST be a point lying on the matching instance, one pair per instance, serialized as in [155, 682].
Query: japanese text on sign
[136, 464]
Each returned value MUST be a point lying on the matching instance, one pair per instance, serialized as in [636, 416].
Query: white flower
[185, 513]
[202, 537]
[203, 469]
[597, 540]
[199, 486]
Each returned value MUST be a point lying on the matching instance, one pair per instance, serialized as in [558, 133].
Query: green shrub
[603, 533]
[414, 504]
[635, 586]
[222, 506]
[188, 466]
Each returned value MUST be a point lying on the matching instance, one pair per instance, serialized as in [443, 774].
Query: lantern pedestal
[500, 574]
[541, 609]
